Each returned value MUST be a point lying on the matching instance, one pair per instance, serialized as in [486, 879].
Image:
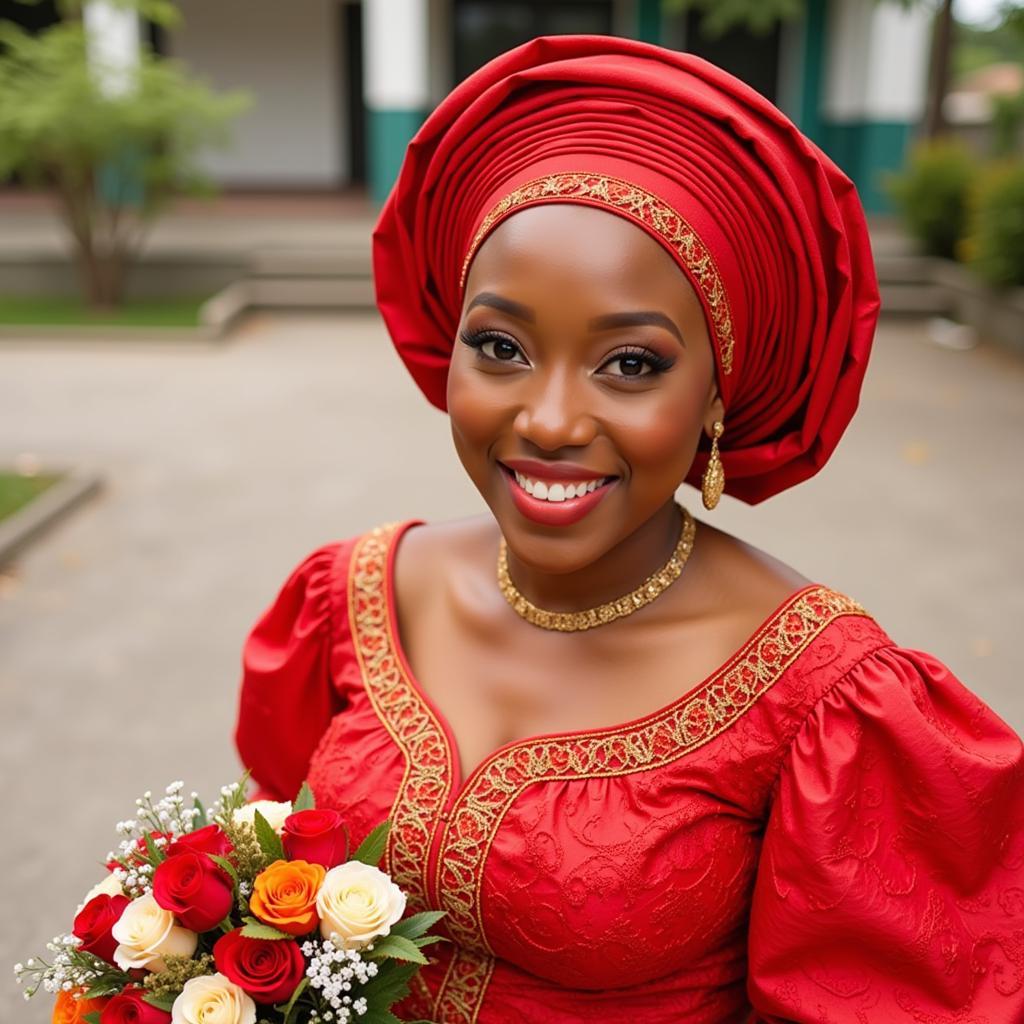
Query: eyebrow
[645, 318]
[515, 309]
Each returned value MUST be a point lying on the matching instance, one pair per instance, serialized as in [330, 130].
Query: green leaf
[269, 840]
[287, 1007]
[92, 1018]
[156, 855]
[224, 863]
[160, 1002]
[104, 988]
[417, 925]
[202, 820]
[379, 1016]
[304, 801]
[396, 946]
[264, 931]
[390, 984]
[371, 849]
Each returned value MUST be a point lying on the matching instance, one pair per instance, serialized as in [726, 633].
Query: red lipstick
[555, 513]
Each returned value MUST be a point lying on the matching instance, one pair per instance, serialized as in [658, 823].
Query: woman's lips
[555, 513]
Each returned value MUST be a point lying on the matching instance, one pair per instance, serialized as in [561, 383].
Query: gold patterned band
[464, 833]
[625, 198]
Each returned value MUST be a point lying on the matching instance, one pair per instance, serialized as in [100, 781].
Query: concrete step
[914, 299]
[336, 261]
[905, 269]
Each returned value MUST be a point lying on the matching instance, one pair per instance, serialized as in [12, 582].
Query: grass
[48, 312]
[17, 490]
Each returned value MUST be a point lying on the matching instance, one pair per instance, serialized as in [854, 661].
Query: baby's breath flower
[335, 973]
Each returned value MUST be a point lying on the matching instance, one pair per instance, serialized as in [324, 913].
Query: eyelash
[657, 363]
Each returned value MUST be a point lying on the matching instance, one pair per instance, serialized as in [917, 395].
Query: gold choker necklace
[571, 622]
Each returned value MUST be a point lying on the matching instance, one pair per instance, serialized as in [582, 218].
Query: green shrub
[1007, 120]
[931, 194]
[995, 245]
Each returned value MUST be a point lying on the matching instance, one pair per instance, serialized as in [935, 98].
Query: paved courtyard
[121, 630]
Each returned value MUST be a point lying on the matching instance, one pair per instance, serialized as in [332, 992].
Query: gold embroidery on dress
[643, 206]
[414, 728]
[491, 791]
[679, 729]
[465, 983]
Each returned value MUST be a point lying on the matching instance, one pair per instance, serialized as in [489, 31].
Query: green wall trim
[812, 87]
[648, 21]
[388, 133]
[867, 151]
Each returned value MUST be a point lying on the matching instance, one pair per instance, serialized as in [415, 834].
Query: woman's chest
[556, 847]
[502, 688]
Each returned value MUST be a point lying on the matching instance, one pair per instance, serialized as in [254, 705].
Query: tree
[113, 158]
[934, 123]
[718, 16]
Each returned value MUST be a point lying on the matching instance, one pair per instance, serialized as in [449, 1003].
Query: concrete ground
[121, 631]
[229, 223]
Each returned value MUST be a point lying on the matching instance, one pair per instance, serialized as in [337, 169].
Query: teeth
[557, 492]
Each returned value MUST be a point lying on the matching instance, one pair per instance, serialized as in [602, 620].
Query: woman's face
[583, 371]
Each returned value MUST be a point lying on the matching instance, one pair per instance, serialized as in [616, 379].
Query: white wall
[877, 61]
[287, 55]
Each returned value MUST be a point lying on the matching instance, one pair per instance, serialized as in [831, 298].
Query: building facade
[340, 86]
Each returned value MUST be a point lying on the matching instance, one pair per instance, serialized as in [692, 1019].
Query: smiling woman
[648, 772]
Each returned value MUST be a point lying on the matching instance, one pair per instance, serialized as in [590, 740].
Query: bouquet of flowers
[251, 913]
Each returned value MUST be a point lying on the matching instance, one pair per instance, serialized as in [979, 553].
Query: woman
[649, 772]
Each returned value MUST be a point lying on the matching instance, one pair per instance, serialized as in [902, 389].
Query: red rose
[268, 969]
[316, 836]
[194, 889]
[94, 922]
[209, 839]
[130, 1008]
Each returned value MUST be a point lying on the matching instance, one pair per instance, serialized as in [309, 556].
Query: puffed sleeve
[891, 881]
[287, 696]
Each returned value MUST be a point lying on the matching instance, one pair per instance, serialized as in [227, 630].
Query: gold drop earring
[713, 482]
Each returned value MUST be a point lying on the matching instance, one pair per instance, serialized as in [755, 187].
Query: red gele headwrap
[768, 230]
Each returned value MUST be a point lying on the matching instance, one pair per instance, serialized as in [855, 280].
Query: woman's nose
[555, 413]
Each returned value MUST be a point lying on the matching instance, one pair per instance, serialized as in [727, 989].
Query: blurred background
[196, 390]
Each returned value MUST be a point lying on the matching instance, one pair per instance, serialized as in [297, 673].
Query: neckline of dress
[462, 781]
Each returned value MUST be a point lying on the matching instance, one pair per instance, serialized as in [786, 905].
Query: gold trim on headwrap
[643, 206]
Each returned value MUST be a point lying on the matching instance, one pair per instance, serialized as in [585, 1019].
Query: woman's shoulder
[435, 556]
[732, 588]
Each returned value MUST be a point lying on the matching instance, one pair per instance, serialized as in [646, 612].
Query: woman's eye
[501, 349]
[630, 366]
[497, 347]
[641, 363]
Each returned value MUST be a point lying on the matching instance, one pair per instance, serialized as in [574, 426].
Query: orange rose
[284, 895]
[69, 1010]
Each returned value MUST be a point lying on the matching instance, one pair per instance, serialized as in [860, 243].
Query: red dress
[828, 828]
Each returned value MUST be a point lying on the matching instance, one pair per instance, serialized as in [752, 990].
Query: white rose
[110, 886]
[274, 812]
[358, 902]
[146, 933]
[213, 999]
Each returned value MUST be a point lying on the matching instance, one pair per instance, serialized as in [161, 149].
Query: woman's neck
[617, 572]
